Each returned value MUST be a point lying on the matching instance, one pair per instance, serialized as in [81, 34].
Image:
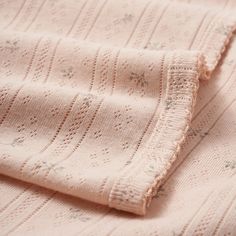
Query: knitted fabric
[97, 103]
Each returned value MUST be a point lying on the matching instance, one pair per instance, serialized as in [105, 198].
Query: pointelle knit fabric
[97, 115]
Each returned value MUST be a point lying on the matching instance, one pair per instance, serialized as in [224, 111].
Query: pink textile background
[124, 104]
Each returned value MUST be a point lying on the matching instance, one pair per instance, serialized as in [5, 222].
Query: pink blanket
[97, 111]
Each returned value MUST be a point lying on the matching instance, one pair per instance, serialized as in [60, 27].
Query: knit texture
[96, 101]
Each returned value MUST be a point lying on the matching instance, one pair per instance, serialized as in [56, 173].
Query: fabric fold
[99, 109]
